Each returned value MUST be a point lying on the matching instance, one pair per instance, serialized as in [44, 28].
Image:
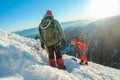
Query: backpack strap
[45, 23]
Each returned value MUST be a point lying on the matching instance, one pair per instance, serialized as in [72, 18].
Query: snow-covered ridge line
[22, 43]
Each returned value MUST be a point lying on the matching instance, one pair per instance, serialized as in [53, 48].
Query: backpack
[49, 32]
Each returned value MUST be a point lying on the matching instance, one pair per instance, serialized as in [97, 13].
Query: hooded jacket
[58, 28]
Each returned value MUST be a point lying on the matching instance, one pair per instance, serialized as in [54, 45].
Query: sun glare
[103, 8]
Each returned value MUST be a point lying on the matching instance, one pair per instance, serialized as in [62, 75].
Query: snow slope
[20, 61]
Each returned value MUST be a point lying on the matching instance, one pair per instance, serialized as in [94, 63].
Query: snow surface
[20, 61]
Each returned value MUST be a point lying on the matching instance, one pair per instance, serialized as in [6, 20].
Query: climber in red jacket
[81, 50]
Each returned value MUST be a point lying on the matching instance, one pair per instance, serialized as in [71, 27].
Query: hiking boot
[62, 68]
[81, 62]
[60, 63]
[52, 62]
[86, 63]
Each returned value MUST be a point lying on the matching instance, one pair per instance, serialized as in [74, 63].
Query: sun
[103, 8]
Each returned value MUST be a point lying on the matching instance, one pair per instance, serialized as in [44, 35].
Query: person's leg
[83, 57]
[59, 59]
[51, 56]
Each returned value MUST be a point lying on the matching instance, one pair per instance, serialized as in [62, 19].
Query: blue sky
[22, 14]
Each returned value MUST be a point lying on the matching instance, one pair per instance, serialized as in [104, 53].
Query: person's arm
[40, 34]
[59, 28]
[41, 39]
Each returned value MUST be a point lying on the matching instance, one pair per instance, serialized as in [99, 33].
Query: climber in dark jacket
[51, 35]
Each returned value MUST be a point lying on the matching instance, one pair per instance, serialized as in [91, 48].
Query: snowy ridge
[20, 61]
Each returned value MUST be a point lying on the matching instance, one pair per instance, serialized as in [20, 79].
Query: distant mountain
[30, 33]
[106, 41]
[34, 33]
[77, 23]
[103, 38]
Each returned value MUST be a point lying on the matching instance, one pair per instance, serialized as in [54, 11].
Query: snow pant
[82, 55]
[55, 52]
[83, 58]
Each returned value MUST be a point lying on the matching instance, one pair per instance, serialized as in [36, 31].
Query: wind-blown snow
[20, 61]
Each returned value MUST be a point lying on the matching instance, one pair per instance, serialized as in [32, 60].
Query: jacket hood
[48, 15]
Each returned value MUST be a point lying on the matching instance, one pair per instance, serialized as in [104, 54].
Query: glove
[64, 41]
[42, 45]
